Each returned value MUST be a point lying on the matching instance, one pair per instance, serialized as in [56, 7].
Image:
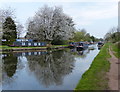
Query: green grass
[116, 50]
[7, 47]
[95, 78]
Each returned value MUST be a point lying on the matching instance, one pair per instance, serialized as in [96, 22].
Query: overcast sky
[96, 16]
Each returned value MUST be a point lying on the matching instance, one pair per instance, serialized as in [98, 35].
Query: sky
[97, 17]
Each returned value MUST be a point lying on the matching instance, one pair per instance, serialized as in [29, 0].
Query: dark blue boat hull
[79, 48]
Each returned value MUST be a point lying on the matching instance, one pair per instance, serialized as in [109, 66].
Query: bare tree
[20, 30]
[113, 35]
[4, 13]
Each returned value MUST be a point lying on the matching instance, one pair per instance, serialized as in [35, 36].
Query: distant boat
[72, 45]
[81, 46]
[100, 44]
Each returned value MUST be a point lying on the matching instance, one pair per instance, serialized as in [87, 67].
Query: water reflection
[29, 53]
[80, 53]
[42, 70]
[99, 48]
[0, 72]
[9, 64]
[51, 68]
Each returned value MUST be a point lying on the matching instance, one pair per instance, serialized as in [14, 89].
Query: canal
[45, 70]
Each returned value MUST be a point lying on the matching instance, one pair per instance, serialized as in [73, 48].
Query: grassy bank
[95, 77]
[8, 48]
[116, 50]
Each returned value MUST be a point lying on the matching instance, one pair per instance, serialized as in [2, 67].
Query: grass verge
[95, 78]
[116, 50]
[3, 47]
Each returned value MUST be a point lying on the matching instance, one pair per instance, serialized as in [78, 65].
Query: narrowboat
[100, 44]
[72, 45]
[28, 43]
[81, 46]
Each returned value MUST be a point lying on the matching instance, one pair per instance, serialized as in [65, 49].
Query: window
[26, 40]
[35, 53]
[21, 40]
[29, 53]
[42, 44]
[39, 53]
[23, 43]
[39, 44]
[29, 44]
[35, 44]
[23, 54]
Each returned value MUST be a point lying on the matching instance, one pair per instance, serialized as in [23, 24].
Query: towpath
[113, 74]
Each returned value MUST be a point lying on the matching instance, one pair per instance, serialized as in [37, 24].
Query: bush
[59, 42]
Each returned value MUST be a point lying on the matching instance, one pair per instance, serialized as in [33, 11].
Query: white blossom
[50, 24]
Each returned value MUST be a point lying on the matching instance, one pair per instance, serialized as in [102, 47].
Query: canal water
[45, 70]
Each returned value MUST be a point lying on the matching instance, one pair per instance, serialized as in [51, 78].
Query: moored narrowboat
[72, 45]
[81, 46]
[100, 44]
[28, 43]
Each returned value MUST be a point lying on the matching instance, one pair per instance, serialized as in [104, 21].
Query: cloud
[59, 0]
[83, 12]
[99, 14]
[86, 15]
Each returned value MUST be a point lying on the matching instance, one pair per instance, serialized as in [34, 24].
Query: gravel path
[113, 72]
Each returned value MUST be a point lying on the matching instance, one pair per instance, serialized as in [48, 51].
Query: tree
[81, 35]
[78, 36]
[4, 13]
[87, 37]
[9, 30]
[50, 24]
[92, 38]
[113, 35]
[20, 30]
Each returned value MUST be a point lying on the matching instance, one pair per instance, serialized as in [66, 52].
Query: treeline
[113, 36]
[82, 35]
[49, 24]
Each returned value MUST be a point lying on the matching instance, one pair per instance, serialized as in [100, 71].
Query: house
[28, 42]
